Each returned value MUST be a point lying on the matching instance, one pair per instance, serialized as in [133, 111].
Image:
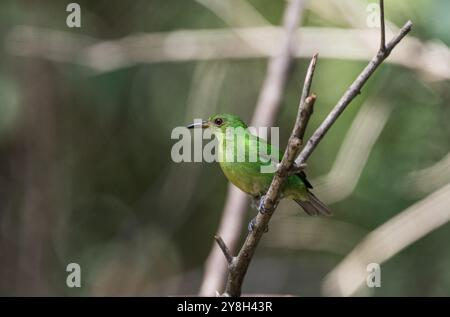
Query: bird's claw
[251, 226]
[261, 207]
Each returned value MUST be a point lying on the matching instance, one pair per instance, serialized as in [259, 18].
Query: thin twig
[305, 93]
[350, 94]
[308, 79]
[382, 26]
[225, 250]
[295, 141]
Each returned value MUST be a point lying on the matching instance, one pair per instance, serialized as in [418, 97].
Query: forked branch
[238, 265]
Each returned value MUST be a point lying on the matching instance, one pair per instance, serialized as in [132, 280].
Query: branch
[225, 250]
[350, 94]
[267, 108]
[306, 89]
[238, 267]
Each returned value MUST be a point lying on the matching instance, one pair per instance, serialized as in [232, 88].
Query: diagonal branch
[353, 91]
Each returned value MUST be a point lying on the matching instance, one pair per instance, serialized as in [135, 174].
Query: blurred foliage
[86, 174]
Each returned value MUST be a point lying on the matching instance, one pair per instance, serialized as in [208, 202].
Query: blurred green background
[86, 174]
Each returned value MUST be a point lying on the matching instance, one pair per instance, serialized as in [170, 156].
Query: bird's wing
[267, 152]
[302, 176]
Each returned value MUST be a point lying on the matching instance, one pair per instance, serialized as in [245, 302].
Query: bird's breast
[247, 177]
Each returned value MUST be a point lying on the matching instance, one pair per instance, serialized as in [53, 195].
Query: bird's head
[220, 122]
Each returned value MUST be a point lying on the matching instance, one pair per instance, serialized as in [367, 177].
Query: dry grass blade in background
[387, 240]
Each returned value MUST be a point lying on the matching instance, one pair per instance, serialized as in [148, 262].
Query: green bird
[247, 174]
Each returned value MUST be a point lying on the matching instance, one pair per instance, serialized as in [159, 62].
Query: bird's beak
[204, 124]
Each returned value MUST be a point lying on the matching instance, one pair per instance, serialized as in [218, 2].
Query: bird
[247, 174]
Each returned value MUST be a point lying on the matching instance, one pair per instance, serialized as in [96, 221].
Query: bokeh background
[86, 175]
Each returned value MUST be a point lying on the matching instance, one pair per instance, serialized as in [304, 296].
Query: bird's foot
[251, 226]
[261, 207]
[261, 204]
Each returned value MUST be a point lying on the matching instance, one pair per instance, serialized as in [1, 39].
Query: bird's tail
[313, 206]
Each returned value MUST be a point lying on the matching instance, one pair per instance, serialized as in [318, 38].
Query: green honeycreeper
[246, 174]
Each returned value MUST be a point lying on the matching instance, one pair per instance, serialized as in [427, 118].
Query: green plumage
[234, 158]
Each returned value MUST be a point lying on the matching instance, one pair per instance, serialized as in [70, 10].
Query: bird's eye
[218, 121]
